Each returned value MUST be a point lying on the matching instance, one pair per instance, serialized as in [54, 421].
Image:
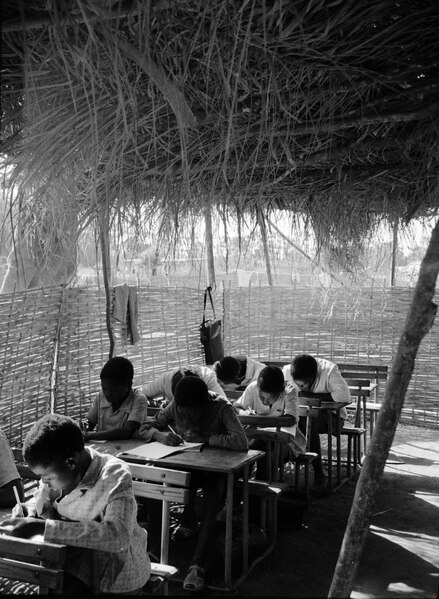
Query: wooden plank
[162, 475]
[31, 573]
[160, 492]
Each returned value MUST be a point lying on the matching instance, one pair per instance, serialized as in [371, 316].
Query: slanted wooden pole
[209, 243]
[263, 227]
[420, 318]
[296, 247]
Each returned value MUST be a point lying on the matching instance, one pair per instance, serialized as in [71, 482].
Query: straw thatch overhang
[330, 109]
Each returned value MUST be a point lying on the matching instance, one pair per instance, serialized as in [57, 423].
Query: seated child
[271, 396]
[86, 501]
[118, 410]
[9, 477]
[317, 375]
[164, 384]
[198, 415]
[237, 371]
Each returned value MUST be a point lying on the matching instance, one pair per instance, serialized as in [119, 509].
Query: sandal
[184, 532]
[194, 580]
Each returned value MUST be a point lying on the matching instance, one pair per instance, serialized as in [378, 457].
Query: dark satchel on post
[211, 333]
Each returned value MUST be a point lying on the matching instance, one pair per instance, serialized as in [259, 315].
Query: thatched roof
[328, 108]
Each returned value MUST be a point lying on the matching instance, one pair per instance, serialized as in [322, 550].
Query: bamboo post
[420, 318]
[106, 271]
[394, 250]
[263, 228]
[209, 244]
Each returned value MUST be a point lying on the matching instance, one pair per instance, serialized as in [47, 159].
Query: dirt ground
[401, 555]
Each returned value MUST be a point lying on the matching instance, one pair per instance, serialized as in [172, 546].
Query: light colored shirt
[252, 370]
[8, 469]
[162, 384]
[328, 380]
[220, 423]
[286, 404]
[133, 408]
[100, 515]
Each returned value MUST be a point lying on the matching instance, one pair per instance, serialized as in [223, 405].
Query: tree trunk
[209, 244]
[263, 228]
[420, 318]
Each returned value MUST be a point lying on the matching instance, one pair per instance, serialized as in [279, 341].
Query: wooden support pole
[263, 227]
[420, 318]
[296, 247]
[209, 244]
[106, 272]
[394, 250]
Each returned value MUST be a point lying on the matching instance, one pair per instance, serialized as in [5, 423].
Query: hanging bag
[211, 333]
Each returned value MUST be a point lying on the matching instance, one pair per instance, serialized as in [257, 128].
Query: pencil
[19, 506]
[172, 431]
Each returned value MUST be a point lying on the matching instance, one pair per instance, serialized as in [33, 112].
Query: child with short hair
[234, 372]
[85, 501]
[271, 396]
[118, 409]
[9, 477]
[163, 385]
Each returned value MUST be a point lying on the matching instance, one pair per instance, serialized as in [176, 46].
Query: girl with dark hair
[197, 415]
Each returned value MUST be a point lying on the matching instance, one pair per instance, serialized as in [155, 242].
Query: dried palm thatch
[112, 109]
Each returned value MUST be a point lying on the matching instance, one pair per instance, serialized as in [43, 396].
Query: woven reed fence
[358, 326]
[53, 342]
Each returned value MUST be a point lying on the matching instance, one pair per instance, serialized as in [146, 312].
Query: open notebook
[156, 450]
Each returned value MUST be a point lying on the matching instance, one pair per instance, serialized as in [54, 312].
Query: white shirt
[328, 380]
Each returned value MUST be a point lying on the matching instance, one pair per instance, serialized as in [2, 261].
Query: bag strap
[207, 291]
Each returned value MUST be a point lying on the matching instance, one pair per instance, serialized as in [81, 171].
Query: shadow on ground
[401, 555]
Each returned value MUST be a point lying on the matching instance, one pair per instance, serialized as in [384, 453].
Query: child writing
[85, 501]
[118, 410]
[269, 395]
[197, 415]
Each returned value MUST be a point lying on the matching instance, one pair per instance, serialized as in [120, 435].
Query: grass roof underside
[329, 109]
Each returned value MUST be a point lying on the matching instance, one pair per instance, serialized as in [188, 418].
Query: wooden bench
[168, 486]
[33, 562]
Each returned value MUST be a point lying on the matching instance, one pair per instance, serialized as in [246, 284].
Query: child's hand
[25, 528]
[169, 439]
[20, 511]
[250, 412]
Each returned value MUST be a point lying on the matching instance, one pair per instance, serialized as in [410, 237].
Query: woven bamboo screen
[168, 324]
[53, 342]
[357, 325]
[28, 327]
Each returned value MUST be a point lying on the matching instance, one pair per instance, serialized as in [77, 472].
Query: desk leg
[329, 450]
[245, 527]
[229, 522]
[365, 426]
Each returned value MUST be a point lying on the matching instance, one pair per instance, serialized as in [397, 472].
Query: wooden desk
[325, 404]
[257, 428]
[210, 459]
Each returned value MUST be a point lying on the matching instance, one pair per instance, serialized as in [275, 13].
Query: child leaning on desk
[197, 415]
[269, 395]
[118, 409]
[85, 501]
